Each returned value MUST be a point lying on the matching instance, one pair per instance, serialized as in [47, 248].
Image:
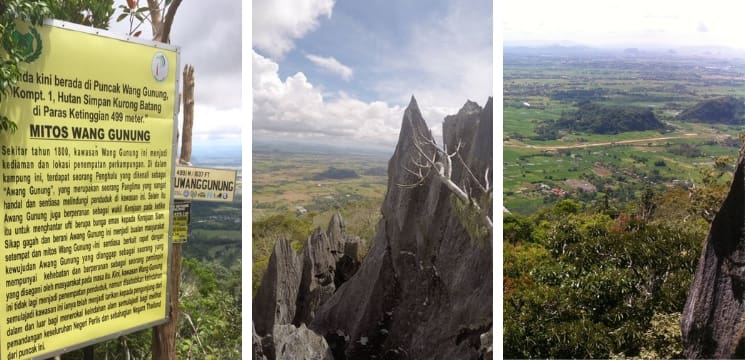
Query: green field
[538, 89]
[289, 200]
[283, 182]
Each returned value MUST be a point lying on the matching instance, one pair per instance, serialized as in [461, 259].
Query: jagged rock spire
[423, 282]
[470, 107]
[335, 233]
[413, 124]
[714, 315]
[275, 299]
[413, 104]
[294, 287]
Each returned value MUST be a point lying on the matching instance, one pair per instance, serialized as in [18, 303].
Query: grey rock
[459, 132]
[481, 152]
[258, 347]
[335, 233]
[293, 288]
[349, 262]
[275, 299]
[486, 349]
[299, 343]
[713, 321]
[424, 282]
[317, 280]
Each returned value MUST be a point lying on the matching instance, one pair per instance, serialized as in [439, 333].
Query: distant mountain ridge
[307, 147]
[575, 49]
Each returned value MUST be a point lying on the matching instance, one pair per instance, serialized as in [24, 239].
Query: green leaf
[121, 17]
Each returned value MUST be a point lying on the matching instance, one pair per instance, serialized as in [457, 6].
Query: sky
[209, 35]
[629, 23]
[343, 72]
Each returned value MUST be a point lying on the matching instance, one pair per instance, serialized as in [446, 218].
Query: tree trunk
[162, 26]
[188, 96]
[155, 18]
[164, 336]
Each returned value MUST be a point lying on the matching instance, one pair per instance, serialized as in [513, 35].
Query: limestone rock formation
[317, 281]
[275, 299]
[293, 288]
[486, 350]
[424, 291]
[714, 316]
[345, 248]
[299, 343]
[258, 347]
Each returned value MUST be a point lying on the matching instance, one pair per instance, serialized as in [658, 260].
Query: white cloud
[445, 62]
[278, 23]
[215, 125]
[209, 36]
[294, 108]
[331, 65]
[702, 27]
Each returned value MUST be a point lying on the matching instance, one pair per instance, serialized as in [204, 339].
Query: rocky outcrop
[486, 350]
[713, 318]
[258, 346]
[293, 288]
[299, 343]
[317, 281]
[424, 291]
[345, 248]
[275, 299]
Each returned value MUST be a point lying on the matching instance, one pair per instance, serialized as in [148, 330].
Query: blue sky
[344, 71]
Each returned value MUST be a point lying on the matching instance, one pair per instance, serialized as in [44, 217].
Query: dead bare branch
[441, 161]
[470, 173]
[486, 179]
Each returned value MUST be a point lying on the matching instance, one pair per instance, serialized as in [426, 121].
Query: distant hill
[723, 110]
[336, 174]
[608, 119]
[376, 171]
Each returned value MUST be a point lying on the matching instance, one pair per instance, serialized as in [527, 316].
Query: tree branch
[443, 171]
[170, 14]
[155, 18]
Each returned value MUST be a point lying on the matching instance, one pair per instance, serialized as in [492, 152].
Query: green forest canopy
[596, 118]
[721, 110]
[599, 118]
[589, 281]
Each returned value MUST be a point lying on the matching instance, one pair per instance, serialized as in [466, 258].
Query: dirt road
[587, 145]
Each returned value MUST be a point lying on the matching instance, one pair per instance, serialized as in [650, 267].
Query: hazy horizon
[627, 24]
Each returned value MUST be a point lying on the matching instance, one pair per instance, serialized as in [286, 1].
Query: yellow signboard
[181, 219]
[86, 189]
[202, 184]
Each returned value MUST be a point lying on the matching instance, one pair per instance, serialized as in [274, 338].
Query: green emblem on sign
[28, 45]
